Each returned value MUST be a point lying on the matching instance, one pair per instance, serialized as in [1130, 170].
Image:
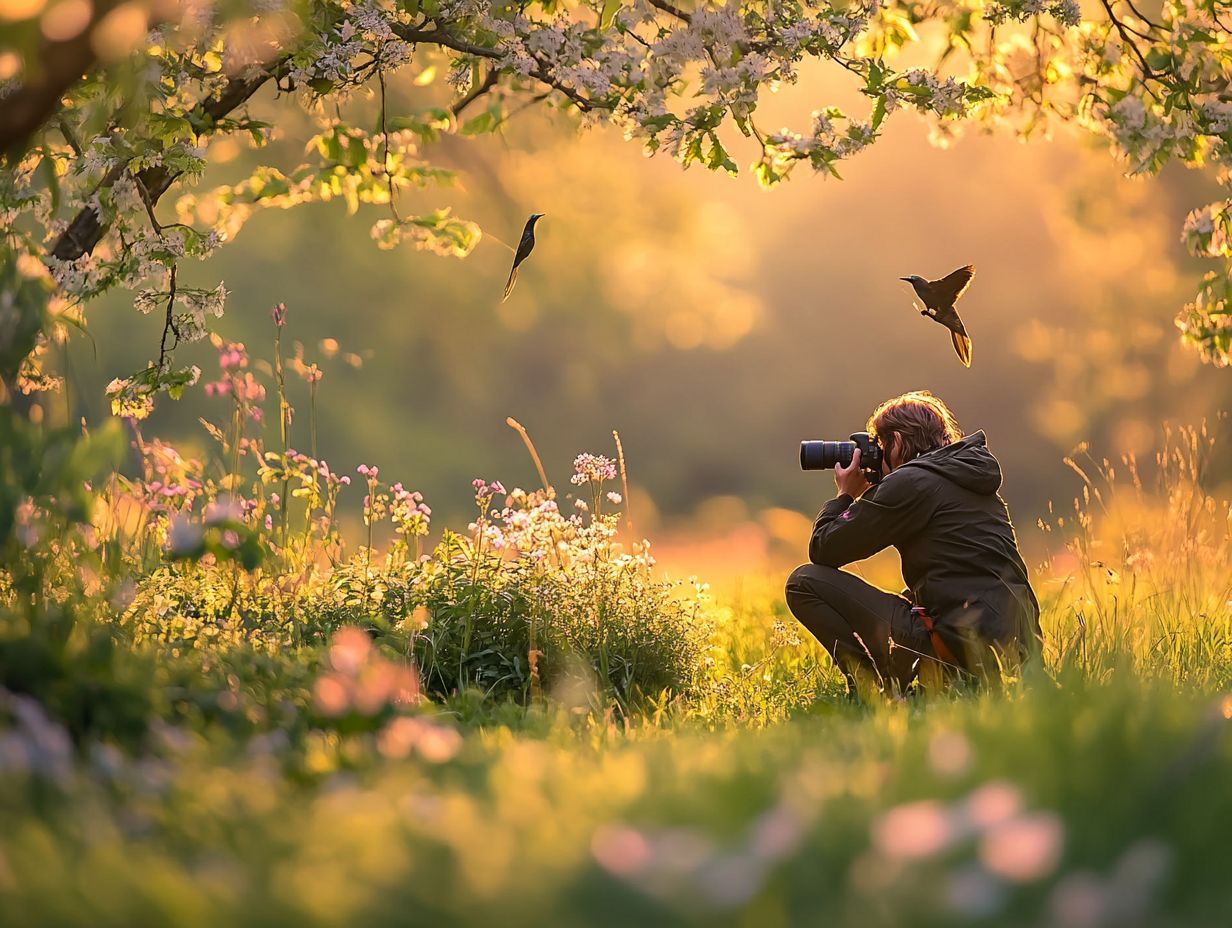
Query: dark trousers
[869, 632]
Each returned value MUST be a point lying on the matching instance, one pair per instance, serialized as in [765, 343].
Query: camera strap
[940, 648]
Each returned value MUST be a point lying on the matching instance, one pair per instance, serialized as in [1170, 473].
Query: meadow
[243, 688]
[246, 679]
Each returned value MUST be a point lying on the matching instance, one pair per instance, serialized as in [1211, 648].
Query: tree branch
[1148, 73]
[671, 9]
[87, 229]
[445, 40]
[168, 324]
[55, 67]
[476, 92]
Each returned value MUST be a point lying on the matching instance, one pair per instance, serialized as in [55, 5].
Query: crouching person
[969, 610]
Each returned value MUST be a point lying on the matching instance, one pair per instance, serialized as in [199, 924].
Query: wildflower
[279, 314]
[621, 850]
[974, 893]
[310, 373]
[184, 536]
[992, 804]
[232, 356]
[434, 743]
[330, 696]
[349, 650]
[484, 491]
[410, 515]
[615, 498]
[913, 830]
[592, 468]
[1024, 848]
[226, 510]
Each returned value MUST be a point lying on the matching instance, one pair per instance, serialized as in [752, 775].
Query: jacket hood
[967, 462]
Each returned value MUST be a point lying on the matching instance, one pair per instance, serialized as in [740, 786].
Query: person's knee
[808, 582]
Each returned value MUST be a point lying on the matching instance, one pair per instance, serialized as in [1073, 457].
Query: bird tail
[513, 279]
[962, 345]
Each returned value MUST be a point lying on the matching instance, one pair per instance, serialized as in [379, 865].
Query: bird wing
[962, 345]
[513, 279]
[949, 288]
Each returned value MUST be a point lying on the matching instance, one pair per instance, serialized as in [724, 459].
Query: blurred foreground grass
[1076, 805]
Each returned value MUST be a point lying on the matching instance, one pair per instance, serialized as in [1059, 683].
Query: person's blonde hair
[922, 420]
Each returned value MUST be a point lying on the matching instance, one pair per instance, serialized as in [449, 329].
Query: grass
[205, 721]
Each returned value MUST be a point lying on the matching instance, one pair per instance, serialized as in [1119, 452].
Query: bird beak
[908, 279]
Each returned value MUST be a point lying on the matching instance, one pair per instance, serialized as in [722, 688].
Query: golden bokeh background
[712, 323]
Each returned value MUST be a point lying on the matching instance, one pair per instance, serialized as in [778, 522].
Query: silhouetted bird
[939, 297]
[525, 247]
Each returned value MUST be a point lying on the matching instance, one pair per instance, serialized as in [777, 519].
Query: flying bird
[939, 297]
[525, 247]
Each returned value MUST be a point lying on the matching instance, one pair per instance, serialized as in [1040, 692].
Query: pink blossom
[232, 355]
[279, 314]
[484, 491]
[592, 468]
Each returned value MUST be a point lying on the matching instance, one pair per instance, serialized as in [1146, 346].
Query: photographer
[971, 607]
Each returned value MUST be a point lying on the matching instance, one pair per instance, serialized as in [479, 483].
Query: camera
[823, 455]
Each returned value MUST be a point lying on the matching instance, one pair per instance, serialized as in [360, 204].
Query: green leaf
[876, 77]
[46, 170]
[719, 159]
[484, 122]
[357, 152]
[766, 176]
[608, 13]
[428, 124]
[879, 113]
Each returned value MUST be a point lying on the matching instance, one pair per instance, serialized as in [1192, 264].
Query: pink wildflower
[592, 468]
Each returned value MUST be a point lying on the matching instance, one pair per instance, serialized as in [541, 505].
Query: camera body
[824, 455]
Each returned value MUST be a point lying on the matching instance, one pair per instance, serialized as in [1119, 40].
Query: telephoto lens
[824, 455]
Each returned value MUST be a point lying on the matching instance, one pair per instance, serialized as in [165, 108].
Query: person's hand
[850, 480]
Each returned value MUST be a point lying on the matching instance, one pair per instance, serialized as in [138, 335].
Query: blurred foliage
[1069, 346]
